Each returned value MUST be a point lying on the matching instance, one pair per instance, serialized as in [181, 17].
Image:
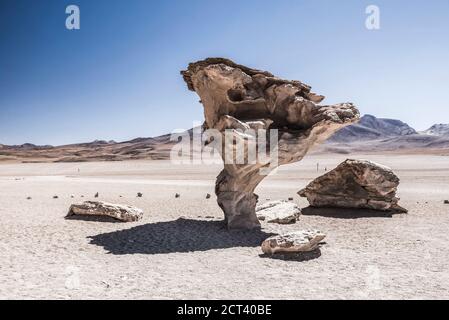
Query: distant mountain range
[438, 130]
[378, 134]
[370, 128]
[98, 150]
[370, 134]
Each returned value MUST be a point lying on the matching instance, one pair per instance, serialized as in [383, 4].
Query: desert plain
[182, 250]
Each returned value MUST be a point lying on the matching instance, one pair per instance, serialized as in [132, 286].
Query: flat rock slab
[96, 208]
[294, 242]
[357, 184]
[282, 212]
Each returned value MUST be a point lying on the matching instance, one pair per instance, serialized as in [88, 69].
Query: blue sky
[118, 76]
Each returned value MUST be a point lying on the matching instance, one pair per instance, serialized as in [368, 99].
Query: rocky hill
[370, 128]
[438, 130]
[373, 134]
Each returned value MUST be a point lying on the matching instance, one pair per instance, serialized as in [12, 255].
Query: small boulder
[55, 197]
[96, 195]
[355, 184]
[281, 212]
[295, 242]
[446, 201]
[28, 198]
[117, 211]
[177, 195]
[139, 195]
[208, 196]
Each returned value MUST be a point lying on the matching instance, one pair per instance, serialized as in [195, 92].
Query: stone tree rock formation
[239, 100]
[355, 184]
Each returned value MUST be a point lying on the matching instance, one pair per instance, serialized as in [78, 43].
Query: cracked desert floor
[181, 251]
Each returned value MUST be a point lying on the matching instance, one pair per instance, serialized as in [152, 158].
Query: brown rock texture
[355, 184]
[96, 208]
[294, 242]
[238, 99]
[281, 212]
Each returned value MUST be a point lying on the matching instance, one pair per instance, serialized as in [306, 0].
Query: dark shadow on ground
[93, 218]
[343, 213]
[182, 235]
[299, 257]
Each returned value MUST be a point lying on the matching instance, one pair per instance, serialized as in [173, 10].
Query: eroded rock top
[246, 94]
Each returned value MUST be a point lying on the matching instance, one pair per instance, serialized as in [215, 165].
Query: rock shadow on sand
[102, 219]
[179, 236]
[346, 213]
[299, 257]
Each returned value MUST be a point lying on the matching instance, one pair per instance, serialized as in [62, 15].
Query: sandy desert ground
[180, 249]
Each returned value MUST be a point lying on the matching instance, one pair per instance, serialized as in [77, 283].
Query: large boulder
[242, 105]
[355, 184]
[96, 208]
[282, 212]
[294, 242]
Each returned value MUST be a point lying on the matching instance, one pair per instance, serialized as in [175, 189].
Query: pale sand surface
[43, 255]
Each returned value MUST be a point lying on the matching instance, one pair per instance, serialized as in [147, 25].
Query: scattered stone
[290, 199]
[82, 196]
[208, 196]
[28, 198]
[96, 208]
[55, 197]
[295, 242]
[446, 201]
[139, 195]
[72, 196]
[96, 195]
[355, 184]
[241, 100]
[281, 212]
[177, 195]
